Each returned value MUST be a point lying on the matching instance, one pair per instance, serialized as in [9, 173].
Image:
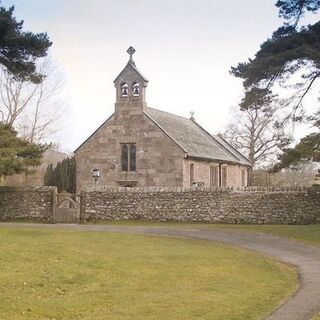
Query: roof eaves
[231, 146]
[212, 159]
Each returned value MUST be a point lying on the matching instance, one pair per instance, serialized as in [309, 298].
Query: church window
[243, 177]
[214, 176]
[124, 157]
[132, 157]
[224, 176]
[191, 174]
[124, 90]
[128, 157]
[136, 89]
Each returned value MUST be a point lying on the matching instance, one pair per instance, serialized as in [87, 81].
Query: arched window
[132, 157]
[124, 157]
[214, 176]
[128, 157]
[224, 176]
[136, 89]
[124, 90]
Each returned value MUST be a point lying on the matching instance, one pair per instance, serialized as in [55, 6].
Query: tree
[20, 49]
[258, 133]
[48, 176]
[307, 150]
[292, 51]
[34, 109]
[17, 155]
[300, 176]
[63, 176]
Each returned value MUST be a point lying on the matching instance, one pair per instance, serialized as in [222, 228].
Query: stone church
[145, 147]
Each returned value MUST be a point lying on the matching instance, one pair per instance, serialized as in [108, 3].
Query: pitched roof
[235, 152]
[193, 139]
[133, 66]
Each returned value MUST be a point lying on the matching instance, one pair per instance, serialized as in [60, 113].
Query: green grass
[306, 233]
[316, 317]
[55, 274]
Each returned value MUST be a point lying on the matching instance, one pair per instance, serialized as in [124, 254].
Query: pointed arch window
[128, 157]
[124, 90]
[136, 89]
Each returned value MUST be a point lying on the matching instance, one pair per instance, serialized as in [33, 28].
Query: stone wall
[205, 205]
[26, 203]
[211, 205]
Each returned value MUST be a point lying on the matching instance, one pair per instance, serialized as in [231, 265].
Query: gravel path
[302, 306]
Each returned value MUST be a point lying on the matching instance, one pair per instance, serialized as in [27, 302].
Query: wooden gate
[66, 208]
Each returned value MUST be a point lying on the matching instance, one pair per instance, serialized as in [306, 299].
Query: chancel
[146, 147]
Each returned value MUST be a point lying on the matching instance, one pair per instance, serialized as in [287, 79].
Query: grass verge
[56, 274]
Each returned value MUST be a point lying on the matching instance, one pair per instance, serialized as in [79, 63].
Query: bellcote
[130, 84]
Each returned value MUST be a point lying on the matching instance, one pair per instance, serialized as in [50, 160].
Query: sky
[184, 47]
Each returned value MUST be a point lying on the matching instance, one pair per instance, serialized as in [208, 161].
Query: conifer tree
[63, 176]
[292, 49]
[17, 155]
[20, 49]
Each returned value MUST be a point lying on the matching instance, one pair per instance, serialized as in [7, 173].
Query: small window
[243, 177]
[124, 90]
[132, 157]
[191, 174]
[224, 176]
[136, 89]
[128, 157]
[214, 176]
[124, 157]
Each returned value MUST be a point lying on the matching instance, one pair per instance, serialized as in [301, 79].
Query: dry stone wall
[219, 205]
[205, 205]
[26, 203]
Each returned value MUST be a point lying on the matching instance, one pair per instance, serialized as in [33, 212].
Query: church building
[145, 147]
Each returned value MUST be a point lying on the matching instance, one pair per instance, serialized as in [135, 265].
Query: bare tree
[301, 176]
[33, 110]
[258, 132]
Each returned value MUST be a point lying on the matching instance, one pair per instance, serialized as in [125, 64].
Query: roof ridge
[173, 114]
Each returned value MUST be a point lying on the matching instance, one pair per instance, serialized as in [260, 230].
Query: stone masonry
[26, 203]
[167, 146]
[205, 205]
[210, 205]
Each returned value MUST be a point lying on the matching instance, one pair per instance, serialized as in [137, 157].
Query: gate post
[82, 206]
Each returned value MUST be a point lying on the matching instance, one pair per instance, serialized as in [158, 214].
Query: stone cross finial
[131, 50]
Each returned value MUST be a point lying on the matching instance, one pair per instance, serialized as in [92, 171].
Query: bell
[125, 92]
[136, 91]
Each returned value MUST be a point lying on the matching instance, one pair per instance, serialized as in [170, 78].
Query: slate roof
[193, 139]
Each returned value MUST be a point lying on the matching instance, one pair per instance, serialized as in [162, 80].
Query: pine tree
[291, 49]
[17, 155]
[19, 49]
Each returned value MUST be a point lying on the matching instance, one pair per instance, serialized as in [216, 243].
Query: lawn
[306, 233]
[55, 274]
